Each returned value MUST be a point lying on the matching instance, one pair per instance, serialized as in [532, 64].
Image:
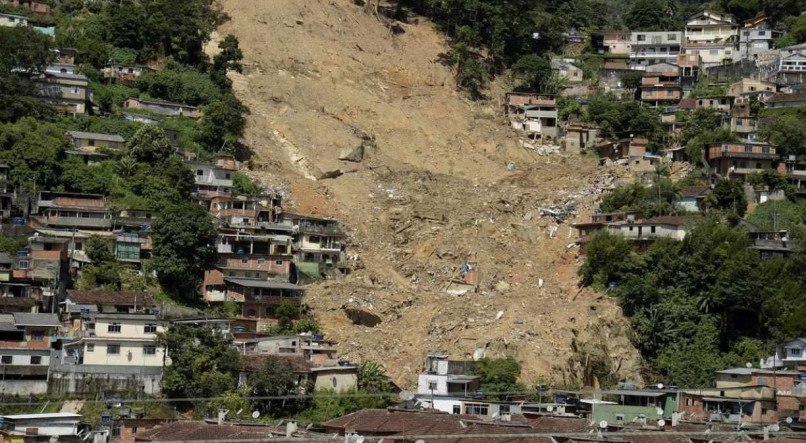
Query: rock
[355, 154]
[502, 286]
[330, 173]
[527, 216]
[362, 317]
[499, 315]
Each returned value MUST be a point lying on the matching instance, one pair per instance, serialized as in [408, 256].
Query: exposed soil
[443, 181]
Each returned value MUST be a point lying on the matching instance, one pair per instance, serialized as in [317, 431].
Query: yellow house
[120, 340]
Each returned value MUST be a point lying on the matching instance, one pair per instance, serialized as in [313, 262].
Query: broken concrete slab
[355, 154]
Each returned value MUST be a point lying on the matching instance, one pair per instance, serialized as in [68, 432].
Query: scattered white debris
[500, 315]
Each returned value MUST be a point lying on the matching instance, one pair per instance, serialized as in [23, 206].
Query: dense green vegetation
[704, 303]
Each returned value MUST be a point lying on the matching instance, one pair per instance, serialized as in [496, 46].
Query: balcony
[274, 300]
[332, 228]
[80, 222]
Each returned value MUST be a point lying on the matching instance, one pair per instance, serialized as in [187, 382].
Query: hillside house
[91, 141]
[37, 7]
[567, 69]
[714, 37]
[790, 355]
[25, 349]
[771, 243]
[640, 406]
[649, 48]
[122, 72]
[532, 113]
[338, 378]
[6, 193]
[66, 55]
[747, 87]
[119, 340]
[444, 377]
[44, 266]
[689, 65]
[213, 179]
[11, 20]
[757, 36]
[660, 85]
[792, 68]
[40, 428]
[645, 232]
[692, 198]
[164, 108]
[795, 172]
[580, 136]
[259, 212]
[109, 302]
[72, 210]
[617, 42]
[780, 100]
[66, 91]
[719, 103]
[742, 121]
[736, 160]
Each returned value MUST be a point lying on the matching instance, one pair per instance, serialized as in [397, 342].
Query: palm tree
[372, 378]
[126, 166]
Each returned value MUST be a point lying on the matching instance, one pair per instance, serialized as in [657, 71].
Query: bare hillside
[433, 190]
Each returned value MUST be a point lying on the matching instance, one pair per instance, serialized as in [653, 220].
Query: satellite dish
[661, 423]
[550, 408]
[659, 411]
[748, 365]
[789, 420]
[660, 385]
[603, 424]
[406, 395]
[256, 414]
[775, 427]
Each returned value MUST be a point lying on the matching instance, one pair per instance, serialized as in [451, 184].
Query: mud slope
[322, 77]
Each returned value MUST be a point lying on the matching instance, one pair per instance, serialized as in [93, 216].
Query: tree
[609, 258]
[499, 377]
[286, 313]
[203, 362]
[648, 15]
[229, 59]
[243, 185]
[372, 378]
[534, 72]
[98, 250]
[277, 378]
[34, 152]
[184, 240]
[784, 128]
[24, 50]
[728, 195]
[150, 145]
[223, 122]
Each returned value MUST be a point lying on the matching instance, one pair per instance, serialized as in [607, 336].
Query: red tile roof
[694, 191]
[781, 97]
[687, 103]
[17, 302]
[198, 430]
[254, 362]
[674, 220]
[110, 298]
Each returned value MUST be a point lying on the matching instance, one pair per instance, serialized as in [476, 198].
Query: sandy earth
[433, 191]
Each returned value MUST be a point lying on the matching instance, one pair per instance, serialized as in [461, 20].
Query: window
[244, 260]
[22, 264]
[721, 393]
[762, 33]
[278, 262]
[113, 349]
[652, 229]
[714, 52]
[37, 335]
[748, 149]
[113, 328]
[672, 37]
[150, 328]
[476, 409]
[313, 239]
[763, 411]
[36, 360]
[261, 261]
[688, 402]
[227, 176]
[458, 409]
[199, 172]
[794, 352]
[432, 386]
[149, 350]
[90, 347]
[619, 417]
[765, 150]
[6, 359]
[91, 142]
[641, 37]
[503, 409]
